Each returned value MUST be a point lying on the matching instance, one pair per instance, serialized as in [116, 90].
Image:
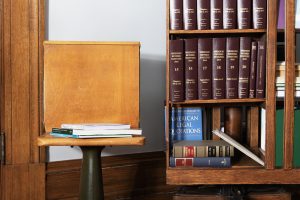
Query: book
[218, 162]
[261, 69]
[204, 148]
[244, 14]
[203, 14]
[244, 67]
[95, 126]
[186, 123]
[232, 67]
[229, 14]
[238, 146]
[216, 14]
[61, 135]
[281, 94]
[218, 68]
[191, 69]
[259, 19]
[176, 70]
[176, 14]
[189, 14]
[253, 66]
[281, 15]
[204, 68]
[100, 132]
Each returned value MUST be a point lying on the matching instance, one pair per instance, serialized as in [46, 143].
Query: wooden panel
[34, 78]
[124, 176]
[289, 84]
[92, 82]
[48, 140]
[230, 176]
[270, 84]
[20, 81]
[23, 182]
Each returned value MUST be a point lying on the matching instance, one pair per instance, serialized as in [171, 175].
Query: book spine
[176, 15]
[191, 69]
[190, 14]
[204, 68]
[232, 67]
[202, 151]
[176, 71]
[252, 81]
[203, 14]
[218, 68]
[229, 14]
[219, 162]
[244, 66]
[244, 14]
[261, 69]
[216, 14]
[259, 14]
[281, 15]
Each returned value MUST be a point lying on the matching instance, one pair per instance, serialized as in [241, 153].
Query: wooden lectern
[86, 82]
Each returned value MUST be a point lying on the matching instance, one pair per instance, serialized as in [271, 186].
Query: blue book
[186, 123]
[218, 162]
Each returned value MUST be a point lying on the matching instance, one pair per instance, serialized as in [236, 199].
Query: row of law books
[280, 80]
[217, 14]
[95, 130]
[217, 68]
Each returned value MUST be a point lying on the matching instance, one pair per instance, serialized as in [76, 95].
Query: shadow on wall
[152, 96]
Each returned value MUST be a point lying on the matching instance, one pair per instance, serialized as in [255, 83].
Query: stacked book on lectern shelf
[95, 130]
[280, 79]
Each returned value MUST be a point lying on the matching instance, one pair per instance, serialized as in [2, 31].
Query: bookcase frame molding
[247, 174]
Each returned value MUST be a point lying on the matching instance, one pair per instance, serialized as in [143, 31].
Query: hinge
[2, 148]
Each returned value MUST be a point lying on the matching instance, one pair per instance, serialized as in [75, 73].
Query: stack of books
[95, 130]
[280, 80]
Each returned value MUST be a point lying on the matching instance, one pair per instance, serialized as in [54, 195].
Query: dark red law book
[191, 69]
[229, 14]
[190, 14]
[204, 68]
[244, 14]
[203, 14]
[218, 68]
[261, 69]
[259, 14]
[232, 67]
[252, 81]
[176, 70]
[216, 14]
[244, 67]
[176, 14]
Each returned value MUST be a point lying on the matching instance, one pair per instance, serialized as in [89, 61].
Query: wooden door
[23, 174]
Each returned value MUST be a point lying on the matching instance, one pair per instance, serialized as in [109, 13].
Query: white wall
[119, 20]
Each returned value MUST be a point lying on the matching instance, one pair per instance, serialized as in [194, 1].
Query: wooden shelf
[297, 30]
[220, 101]
[221, 31]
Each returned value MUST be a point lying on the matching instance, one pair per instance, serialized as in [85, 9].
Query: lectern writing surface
[91, 82]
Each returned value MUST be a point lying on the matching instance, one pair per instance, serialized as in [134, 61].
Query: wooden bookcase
[247, 171]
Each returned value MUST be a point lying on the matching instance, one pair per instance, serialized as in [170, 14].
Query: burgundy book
[244, 14]
[232, 67]
[229, 14]
[176, 16]
[204, 68]
[176, 70]
[259, 14]
[190, 14]
[216, 14]
[191, 69]
[244, 67]
[203, 14]
[218, 68]
[252, 81]
[261, 69]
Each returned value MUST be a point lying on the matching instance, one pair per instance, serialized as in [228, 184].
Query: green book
[279, 139]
